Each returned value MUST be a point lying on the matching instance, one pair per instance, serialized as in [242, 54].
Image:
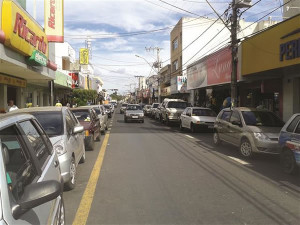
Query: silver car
[195, 118]
[134, 112]
[123, 108]
[103, 117]
[30, 180]
[66, 135]
[252, 130]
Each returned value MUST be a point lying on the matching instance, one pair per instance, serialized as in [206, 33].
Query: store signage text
[38, 58]
[290, 50]
[51, 18]
[28, 35]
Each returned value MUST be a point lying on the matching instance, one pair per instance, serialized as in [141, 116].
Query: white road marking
[239, 160]
[189, 136]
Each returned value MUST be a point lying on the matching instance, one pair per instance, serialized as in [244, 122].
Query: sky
[115, 26]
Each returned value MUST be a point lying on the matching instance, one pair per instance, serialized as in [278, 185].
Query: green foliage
[117, 97]
[82, 96]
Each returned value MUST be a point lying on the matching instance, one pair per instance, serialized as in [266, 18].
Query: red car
[88, 118]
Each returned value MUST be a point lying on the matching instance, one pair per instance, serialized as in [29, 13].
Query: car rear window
[52, 122]
[203, 112]
[134, 107]
[97, 110]
[293, 124]
[124, 105]
[82, 115]
[226, 115]
[178, 105]
[262, 118]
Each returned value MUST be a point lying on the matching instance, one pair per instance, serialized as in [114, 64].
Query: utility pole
[234, 51]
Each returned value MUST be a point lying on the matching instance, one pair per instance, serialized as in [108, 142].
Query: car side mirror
[78, 129]
[37, 194]
[103, 113]
[237, 123]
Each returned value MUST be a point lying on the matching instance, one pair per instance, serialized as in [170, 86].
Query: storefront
[63, 87]
[25, 68]
[271, 69]
[210, 79]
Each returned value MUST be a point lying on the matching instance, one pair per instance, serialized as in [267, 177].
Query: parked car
[108, 110]
[146, 110]
[30, 183]
[66, 135]
[152, 109]
[112, 108]
[88, 118]
[123, 108]
[289, 140]
[171, 110]
[134, 112]
[195, 118]
[101, 112]
[157, 113]
[252, 130]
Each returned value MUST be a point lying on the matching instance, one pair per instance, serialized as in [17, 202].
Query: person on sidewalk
[11, 106]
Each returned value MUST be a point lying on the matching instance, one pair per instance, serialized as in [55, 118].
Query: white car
[194, 118]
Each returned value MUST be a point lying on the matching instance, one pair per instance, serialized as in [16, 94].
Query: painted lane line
[239, 160]
[88, 195]
[189, 136]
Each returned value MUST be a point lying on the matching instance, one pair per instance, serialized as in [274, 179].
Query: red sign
[219, 67]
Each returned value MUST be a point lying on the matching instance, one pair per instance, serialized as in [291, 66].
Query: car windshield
[178, 105]
[107, 106]
[124, 105]
[97, 110]
[204, 112]
[52, 122]
[82, 115]
[155, 105]
[133, 107]
[261, 118]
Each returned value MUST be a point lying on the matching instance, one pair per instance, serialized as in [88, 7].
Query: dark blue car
[289, 141]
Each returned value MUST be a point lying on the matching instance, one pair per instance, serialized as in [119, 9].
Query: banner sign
[21, 32]
[54, 20]
[12, 81]
[84, 56]
[37, 59]
[181, 81]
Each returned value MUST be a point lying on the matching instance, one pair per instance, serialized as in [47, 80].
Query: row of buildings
[34, 71]
[268, 64]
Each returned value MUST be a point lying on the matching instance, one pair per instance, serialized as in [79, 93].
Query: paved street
[155, 174]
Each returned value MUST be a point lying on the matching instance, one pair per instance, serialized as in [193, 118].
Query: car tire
[180, 126]
[82, 160]
[125, 120]
[167, 121]
[99, 136]
[103, 132]
[193, 128]
[106, 128]
[246, 149]
[70, 184]
[92, 142]
[216, 139]
[143, 121]
[62, 215]
[288, 162]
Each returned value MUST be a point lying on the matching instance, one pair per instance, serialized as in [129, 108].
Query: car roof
[248, 109]
[81, 107]
[10, 118]
[134, 104]
[39, 109]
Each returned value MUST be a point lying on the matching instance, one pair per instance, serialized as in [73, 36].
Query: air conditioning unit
[243, 3]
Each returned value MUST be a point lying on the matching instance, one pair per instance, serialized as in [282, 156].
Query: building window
[175, 65]
[175, 44]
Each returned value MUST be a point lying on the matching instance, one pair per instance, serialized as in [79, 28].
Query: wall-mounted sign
[181, 83]
[12, 81]
[21, 32]
[37, 59]
[54, 20]
[84, 56]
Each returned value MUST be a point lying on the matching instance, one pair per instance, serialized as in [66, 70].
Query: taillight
[87, 133]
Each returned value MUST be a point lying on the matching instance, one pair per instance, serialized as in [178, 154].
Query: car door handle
[56, 163]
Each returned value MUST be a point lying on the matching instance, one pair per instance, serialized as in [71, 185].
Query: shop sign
[12, 81]
[181, 81]
[166, 91]
[84, 56]
[81, 81]
[277, 47]
[54, 20]
[21, 32]
[38, 58]
[197, 76]
[63, 79]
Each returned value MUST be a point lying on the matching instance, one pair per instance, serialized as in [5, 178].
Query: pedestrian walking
[12, 106]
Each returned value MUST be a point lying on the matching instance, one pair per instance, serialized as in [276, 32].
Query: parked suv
[289, 141]
[252, 130]
[152, 109]
[171, 110]
[88, 118]
[66, 136]
[30, 182]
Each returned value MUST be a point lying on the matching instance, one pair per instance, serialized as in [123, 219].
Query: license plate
[135, 117]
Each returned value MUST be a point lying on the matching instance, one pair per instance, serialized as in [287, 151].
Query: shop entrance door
[12, 94]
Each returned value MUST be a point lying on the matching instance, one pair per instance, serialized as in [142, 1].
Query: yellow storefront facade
[25, 68]
[270, 68]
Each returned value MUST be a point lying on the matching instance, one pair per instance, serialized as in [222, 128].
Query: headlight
[261, 137]
[60, 148]
[141, 114]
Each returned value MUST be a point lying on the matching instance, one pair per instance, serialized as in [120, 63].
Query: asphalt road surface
[149, 173]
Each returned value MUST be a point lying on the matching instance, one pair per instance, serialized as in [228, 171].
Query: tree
[81, 96]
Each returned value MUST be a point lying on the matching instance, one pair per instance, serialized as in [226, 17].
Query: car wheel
[82, 160]
[180, 125]
[216, 138]
[125, 120]
[246, 149]
[106, 128]
[99, 134]
[62, 217]
[70, 185]
[103, 132]
[143, 121]
[287, 161]
[193, 128]
[167, 121]
[92, 142]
